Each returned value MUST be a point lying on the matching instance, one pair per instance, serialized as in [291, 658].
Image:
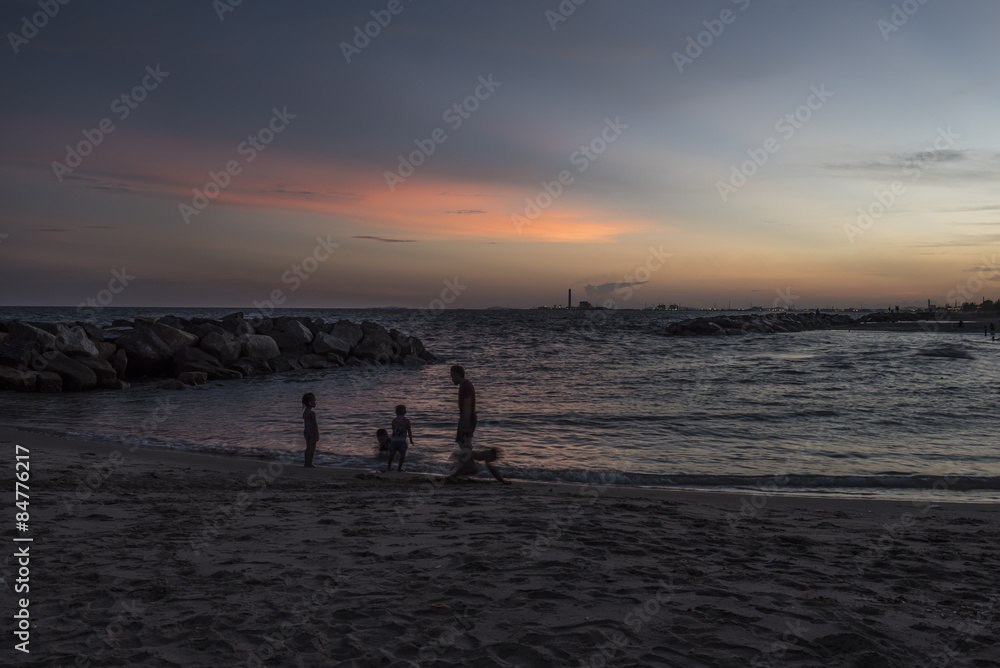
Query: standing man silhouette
[466, 458]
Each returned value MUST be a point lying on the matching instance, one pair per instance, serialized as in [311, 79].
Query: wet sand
[178, 559]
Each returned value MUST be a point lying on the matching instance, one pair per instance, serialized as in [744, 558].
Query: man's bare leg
[496, 474]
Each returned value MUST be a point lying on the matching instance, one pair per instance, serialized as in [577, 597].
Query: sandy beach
[161, 558]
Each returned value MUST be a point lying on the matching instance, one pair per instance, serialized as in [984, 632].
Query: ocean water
[600, 396]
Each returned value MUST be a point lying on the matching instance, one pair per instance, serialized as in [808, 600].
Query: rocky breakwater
[764, 323]
[54, 357]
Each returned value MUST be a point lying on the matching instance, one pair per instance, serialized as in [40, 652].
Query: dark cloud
[466, 211]
[386, 240]
[897, 163]
[331, 194]
[101, 183]
[990, 207]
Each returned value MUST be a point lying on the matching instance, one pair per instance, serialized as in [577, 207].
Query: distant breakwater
[763, 323]
[79, 356]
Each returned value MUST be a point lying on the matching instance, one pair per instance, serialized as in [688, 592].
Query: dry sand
[172, 559]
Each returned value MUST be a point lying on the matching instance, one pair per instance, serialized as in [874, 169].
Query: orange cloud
[142, 164]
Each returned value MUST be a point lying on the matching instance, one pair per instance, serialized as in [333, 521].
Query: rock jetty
[764, 323]
[55, 357]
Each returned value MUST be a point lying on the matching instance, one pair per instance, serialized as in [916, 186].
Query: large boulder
[249, 367]
[174, 321]
[376, 345]
[105, 350]
[147, 354]
[258, 347]
[119, 360]
[325, 343]
[172, 384]
[112, 334]
[74, 341]
[288, 333]
[410, 346]
[174, 338]
[19, 381]
[285, 362]
[194, 359]
[17, 352]
[314, 361]
[193, 377]
[413, 360]
[76, 376]
[315, 325]
[221, 346]
[48, 382]
[22, 331]
[50, 327]
[235, 324]
[92, 330]
[107, 377]
[193, 355]
[203, 329]
[347, 331]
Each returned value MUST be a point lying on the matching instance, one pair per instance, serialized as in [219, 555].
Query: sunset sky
[710, 151]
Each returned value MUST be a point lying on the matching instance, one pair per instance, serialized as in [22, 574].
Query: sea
[597, 397]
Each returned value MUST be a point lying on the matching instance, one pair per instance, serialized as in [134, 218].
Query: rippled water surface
[571, 395]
